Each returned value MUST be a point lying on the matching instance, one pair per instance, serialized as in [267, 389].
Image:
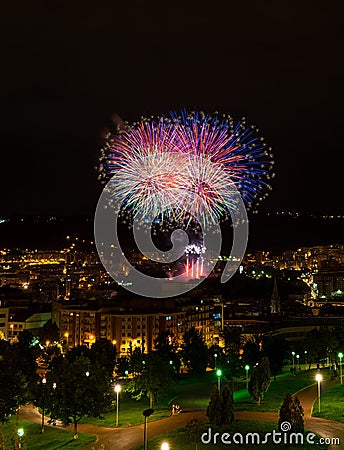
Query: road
[131, 437]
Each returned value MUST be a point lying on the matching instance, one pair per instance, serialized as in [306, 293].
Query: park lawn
[274, 397]
[193, 391]
[130, 413]
[51, 439]
[331, 404]
[196, 395]
[178, 438]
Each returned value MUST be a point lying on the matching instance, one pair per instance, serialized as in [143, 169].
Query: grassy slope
[51, 439]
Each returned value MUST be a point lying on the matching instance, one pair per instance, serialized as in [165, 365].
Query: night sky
[67, 67]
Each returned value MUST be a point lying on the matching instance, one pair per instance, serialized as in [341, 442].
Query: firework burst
[187, 165]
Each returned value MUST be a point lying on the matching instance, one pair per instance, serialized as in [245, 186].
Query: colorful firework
[188, 164]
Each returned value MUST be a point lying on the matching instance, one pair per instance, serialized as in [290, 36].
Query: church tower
[275, 299]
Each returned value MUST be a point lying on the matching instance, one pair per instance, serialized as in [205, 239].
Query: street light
[44, 380]
[247, 368]
[298, 360]
[20, 434]
[146, 413]
[318, 377]
[215, 358]
[117, 390]
[306, 357]
[165, 446]
[293, 355]
[340, 356]
[219, 374]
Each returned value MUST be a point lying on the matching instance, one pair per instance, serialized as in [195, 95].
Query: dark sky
[67, 66]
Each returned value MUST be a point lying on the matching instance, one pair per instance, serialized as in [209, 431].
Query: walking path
[131, 437]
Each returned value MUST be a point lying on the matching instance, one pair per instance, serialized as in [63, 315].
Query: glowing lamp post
[340, 356]
[293, 355]
[20, 434]
[298, 360]
[247, 368]
[219, 374]
[117, 390]
[215, 359]
[44, 381]
[165, 446]
[318, 377]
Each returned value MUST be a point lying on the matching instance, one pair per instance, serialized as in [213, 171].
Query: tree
[49, 332]
[219, 359]
[194, 351]
[233, 340]
[76, 388]
[153, 381]
[194, 429]
[13, 383]
[322, 343]
[276, 350]
[166, 346]
[104, 352]
[251, 353]
[227, 407]
[25, 353]
[260, 380]
[214, 410]
[291, 411]
[18, 374]
[136, 361]
[122, 366]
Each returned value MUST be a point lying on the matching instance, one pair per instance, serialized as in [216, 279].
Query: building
[4, 313]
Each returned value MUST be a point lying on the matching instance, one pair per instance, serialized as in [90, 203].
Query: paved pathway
[131, 437]
[323, 427]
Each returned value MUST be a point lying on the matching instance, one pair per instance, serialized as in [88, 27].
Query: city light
[44, 381]
[247, 368]
[318, 378]
[219, 374]
[118, 389]
[340, 356]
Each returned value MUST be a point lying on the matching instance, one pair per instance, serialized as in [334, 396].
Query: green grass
[331, 404]
[51, 439]
[273, 398]
[193, 391]
[130, 413]
[196, 394]
[178, 438]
